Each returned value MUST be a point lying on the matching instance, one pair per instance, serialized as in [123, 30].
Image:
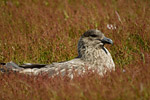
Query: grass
[46, 31]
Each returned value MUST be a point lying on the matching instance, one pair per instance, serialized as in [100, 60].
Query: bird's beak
[106, 40]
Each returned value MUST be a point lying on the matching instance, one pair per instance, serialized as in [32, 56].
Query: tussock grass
[45, 31]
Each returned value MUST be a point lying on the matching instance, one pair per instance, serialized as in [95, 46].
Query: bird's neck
[95, 56]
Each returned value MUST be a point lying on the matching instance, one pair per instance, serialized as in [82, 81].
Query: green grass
[46, 31]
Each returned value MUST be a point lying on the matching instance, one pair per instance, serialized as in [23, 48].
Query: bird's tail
[14, 67]
[9, 66]
[2, 63]
[26, 68]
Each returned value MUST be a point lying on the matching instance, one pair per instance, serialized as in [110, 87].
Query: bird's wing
[62, 68]
[51, 69]
[30, 65]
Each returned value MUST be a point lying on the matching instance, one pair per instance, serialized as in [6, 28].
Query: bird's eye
[93, 35]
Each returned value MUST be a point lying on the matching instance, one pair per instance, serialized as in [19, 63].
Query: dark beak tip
[107, 41]
[111, 42]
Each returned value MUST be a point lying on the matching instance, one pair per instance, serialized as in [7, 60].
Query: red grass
[44, 31]
[132, 83]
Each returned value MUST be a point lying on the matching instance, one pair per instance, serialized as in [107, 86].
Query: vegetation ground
[46, 31]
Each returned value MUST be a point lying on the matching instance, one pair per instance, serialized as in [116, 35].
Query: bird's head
[92, 39]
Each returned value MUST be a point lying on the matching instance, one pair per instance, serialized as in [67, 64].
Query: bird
[92, 55]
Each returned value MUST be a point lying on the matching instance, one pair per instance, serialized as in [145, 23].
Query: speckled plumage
[91, 54]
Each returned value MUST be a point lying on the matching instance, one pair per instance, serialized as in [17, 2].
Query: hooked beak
[106, 40]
